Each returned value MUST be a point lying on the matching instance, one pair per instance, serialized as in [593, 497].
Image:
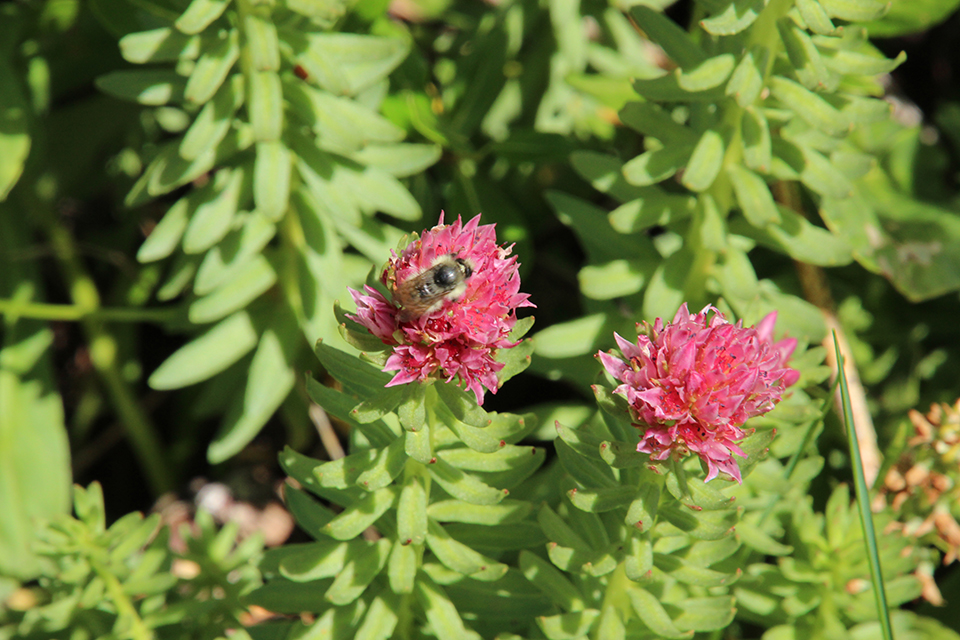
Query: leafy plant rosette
[639, 541]
[411, 526]
[126, 580]
[276, 158]
[642, 542]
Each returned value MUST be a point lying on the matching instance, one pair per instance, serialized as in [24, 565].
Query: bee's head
[465, 267]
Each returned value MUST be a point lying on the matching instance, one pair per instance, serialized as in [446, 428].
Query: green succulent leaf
[200, 14]
[358, 573]
[665, 32]
[736, 16]
[653, 615]
[159, 45]
[209, 354]
[152, 88]
[212, 68]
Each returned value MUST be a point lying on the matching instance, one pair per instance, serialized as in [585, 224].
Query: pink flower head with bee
[691, 384]
[455, 293]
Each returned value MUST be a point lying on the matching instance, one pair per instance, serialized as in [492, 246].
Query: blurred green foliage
[187, 188]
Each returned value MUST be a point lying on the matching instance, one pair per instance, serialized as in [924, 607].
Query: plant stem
[103, 354]
[74, 312]
[125, 609]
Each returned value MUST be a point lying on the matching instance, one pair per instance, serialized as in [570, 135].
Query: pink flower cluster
[693, 383]
[461, 336]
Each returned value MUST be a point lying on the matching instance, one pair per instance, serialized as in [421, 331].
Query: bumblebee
[426, 292]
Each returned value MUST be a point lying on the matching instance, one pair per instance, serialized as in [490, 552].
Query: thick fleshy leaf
[614, 279]
[271, 179]
[214, 120]
[212, 68]
[381, 618]
[252, 280]
[225, 260]
[402, 568]
[755, 135]
[589, 222]
[342, 124]
[419, 446]
[265, 105]
[810, 107]
[386, 466]
[736, 16]
[507, 467]
[821, 176]
[667, 88]
[168, 170]
[504, 512]
[261, 41]
[642, 512]
[815, 16]
[441, 613]
[652, 120]
[705, 162]
[911, 16]
[855, 10]
[461, 558]
[706, 614]
[208, 354]
[655, 166]
[317, 560]
[270, 379]
[352, 521]
[759, 540]
[591, 473]
[200, 14]
[569, 626]
[214, 211]
[857, 63]
[286, 596]
[621, 455]
[478, 439]
[653, 615]
[600, 500]
[151, 87]
[709, 74]
[656, 207]
[702, 525]
[358, 377]
[754, 197]
[412, 511]
[795, 236]
[605, 173]
[346, 63]
[638, 563]
[399, 160]
[376, 191]
[464, 486]
[357, 574]
[665, 292]
[165, 237]
[677, 43]
[747, 80]
[551, 582]
[808, 65]
[910, 243]
[159, 45]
